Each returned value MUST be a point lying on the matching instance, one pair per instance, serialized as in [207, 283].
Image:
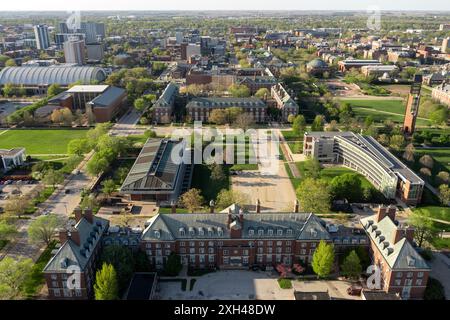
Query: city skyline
[47, 5]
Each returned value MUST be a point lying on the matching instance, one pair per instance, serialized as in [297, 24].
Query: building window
[289, 232]
[182, 244]
[288, 250]
[408, 282]
[260, 250]
[192, 259]
[260, 232]
[313, 245]
[226, 260]
[202, 259]
[245, 252]
[192, 244]
[157, 245]
[420, 274]
[311, 251]
[398, 282]
[191, 250]
[167, 252]
[167, 245]
[149, 252]
[269, 250]
[279, 232]
[303, 251]
[55, 284]
[225, 252]
[279, 249]
[418, 282]
[279, 243]
[210, 250]
[409, 275]
[303, 245]
[182, 250]
[260, 259]
[211, 243]
[78, 292]
[270, 232]
[260, 243]
[54, 277]
[159, 252]
[245, 260]
[251, 232]
[399, 275]
[201, 250]
[57, 292]
[288, 243]
[211, 258]
[269, 243]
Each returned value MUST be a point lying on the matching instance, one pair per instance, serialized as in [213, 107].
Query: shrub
[285, 283]
[434, 290]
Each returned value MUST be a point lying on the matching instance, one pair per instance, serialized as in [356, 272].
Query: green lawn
[294, 141]
[441, 213]
[37, 141]
[441, 159]
[394, 106]
[201, 180]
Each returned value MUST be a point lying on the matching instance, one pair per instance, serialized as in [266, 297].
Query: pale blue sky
[45, 5]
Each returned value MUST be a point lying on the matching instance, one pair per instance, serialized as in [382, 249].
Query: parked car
[354, 290]
[67, 191]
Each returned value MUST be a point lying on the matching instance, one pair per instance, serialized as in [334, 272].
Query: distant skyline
[129, 5]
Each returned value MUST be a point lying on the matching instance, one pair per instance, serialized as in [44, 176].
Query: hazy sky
[62, 5]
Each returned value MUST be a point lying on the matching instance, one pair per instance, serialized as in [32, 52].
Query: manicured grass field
[294, 141]
[201, 180]
[37, 141]
[441, 213]
[394, 106]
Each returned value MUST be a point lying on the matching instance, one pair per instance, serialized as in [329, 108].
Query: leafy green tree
[439, 116]
[173, 265]
[150, 134]
[97, 165]
[323, 259]
[7, 230]
[434, 290]
[262, 93]
[53, 177]
[311, 168]
[351, 267]
[108, 187]
[218, 116]
[10, 63]
[226, 198]
[317, 124]
[106, 285]
[346, 186]
[78, 147]
[424, 227]
[13, 274]
[217, 173]
[239, 91]
[121, 258]
[44, 228]
[53, 90]
[444, 194]
[314, 196]
[299, 125]
[396, 142]
[9, 90]
[192, 199]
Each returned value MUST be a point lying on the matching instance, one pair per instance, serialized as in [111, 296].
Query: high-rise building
[41, 35]
[95, 51]
[445, 45]
[74, 51]
[412, 105]
[93, 31]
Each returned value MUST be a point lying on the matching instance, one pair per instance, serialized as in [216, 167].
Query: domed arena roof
[317, 63]
[62, 75]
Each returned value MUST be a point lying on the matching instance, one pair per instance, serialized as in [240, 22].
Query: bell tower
[412, 106]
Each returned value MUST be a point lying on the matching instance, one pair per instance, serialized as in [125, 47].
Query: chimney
[382, 212]
[258, 206]
[63, 237]
[74, 235]
[241, 215]
[296, 206]
[211, 206]
[391, 211]
[78, 213]
[230, 218]
[409, 234]
[88, 215]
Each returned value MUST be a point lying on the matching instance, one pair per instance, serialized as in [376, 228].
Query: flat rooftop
[88, 88]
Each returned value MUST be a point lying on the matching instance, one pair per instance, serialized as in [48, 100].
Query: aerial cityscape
[255, 154]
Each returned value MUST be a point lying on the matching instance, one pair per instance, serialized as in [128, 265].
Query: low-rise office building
[378, 71]
[346, 65]
[441, 93]
[403, 271]
[199, 109]
[366, 156]
[70, 273]
[163, 107]
[156, 175]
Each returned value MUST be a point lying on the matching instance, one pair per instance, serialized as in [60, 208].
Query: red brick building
[403, 270]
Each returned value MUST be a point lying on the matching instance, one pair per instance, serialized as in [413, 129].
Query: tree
[52, 177]
[443, 177]
[239, 91]
[262, 93]
[243, 121]
[141, 104]
[408, 155]
[311, 168]
[217, 173]
[16, 206]
[121, 258]
[444, 194]
[150, 134]
[299, 125]
[97, 165]
[7, 230]
[384, 139]
[10, 63]
[173, 265]
[424, 227]
[323, 259]
[346, 186]
[192, 199]
[13, 273]
[78, 147]
[218, 116]
[351, 267]
[425, 172]
[106, 286]
[226, 198]
[317, 124]
[427, 161]
[8, 90]
[314, 195]
[108, 187]
[291, 118]
[396, 142]
[53, 90]
[44, 228]
[434, 290]
[233, 113]
[439, 116]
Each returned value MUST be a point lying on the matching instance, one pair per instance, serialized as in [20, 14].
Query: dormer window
[182, 232]
[157, 234]
[191, 232]
[220, 232]
[270, 232]
[260, 232]
[251, 232]
[313, 233]
[201, 231]
[210, 232]
[279, 232]
[289, 232]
